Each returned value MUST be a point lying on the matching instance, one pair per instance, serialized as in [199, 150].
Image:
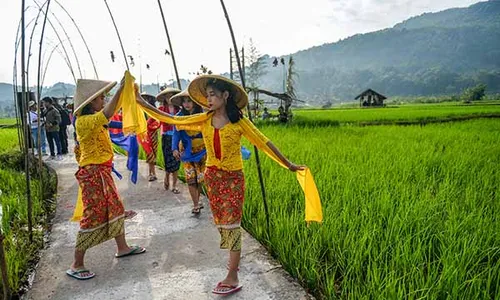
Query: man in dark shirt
[52, 121]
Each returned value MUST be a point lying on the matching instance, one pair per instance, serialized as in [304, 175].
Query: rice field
[390, 114]
[20, 252]
[7, 121]
[410, 212]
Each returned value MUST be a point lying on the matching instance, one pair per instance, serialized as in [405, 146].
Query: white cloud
[198, 31]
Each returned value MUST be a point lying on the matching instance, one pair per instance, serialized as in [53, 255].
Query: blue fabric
[129, 144]
[245, 153]
[115, 125]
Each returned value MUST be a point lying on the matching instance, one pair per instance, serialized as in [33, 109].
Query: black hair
[233, 111]
[48, 100]
[196, 108]
[150, 99]
[87, 110]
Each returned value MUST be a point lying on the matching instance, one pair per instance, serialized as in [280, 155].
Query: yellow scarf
[133, 116]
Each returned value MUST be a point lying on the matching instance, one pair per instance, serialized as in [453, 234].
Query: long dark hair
[233, 111]
[196, 108]
[87, 110]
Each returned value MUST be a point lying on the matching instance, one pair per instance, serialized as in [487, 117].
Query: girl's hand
[294, 168]
[177, 155]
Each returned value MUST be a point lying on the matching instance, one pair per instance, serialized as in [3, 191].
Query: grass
[21, 254]
[8, 139]
[406, 113]
[7, 121]
[409, 212]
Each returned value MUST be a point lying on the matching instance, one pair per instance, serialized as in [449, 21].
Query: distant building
[370, 98]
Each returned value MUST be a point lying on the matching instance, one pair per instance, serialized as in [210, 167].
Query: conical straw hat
[197, 90]
[178, 98]
[149, 98]
[166, 94]
[89, 89]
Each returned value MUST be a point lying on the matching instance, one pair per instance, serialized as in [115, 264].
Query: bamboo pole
[68, 61]
[68, 38]
[38, 97]
[118, 34]
[83, 39]
[231, 63]
[23, 113]
[257, 159]
[20, 134]
[170, 46]
[28, 65]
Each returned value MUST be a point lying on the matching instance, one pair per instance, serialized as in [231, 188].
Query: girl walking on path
[167, 131]
[103, 212]
[188, 147]
[222, 128]
[153, 126]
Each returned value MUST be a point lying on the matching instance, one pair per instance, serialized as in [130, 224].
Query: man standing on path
[35, 121]
[63, 126]
[52, 121]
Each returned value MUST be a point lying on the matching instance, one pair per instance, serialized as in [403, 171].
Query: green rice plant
[409, 212]
[8, 139]
[8, 121]
[408, 113]
[19, 251]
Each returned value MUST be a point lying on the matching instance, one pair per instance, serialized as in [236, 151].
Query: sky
[198, 31]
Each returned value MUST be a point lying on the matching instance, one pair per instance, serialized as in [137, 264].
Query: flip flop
[129, 214]
[134, 251]
[77, 274]
[176, 191]
[226, 289]
[152, 178]
[196, 210]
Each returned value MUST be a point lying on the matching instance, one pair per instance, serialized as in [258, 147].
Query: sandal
[226, 289]
[129, 214]
[196, 210]
[152, 178]
[176, 191]
[78, 274]
[133, 251]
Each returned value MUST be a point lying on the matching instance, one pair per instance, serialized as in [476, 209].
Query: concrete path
[183, 260]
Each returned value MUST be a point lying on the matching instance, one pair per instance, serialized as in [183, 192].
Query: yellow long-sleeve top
[94, 140]
[229, 143]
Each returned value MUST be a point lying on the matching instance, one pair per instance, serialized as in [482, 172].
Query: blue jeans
[34, 134]
[51, 138]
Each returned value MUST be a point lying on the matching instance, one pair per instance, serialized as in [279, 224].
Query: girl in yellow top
[222, 130]
[103, 211]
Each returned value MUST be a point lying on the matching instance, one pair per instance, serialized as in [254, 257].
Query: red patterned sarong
[103, 211]
[226, 192]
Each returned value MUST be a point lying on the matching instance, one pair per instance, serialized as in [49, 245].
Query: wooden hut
[370, 98]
